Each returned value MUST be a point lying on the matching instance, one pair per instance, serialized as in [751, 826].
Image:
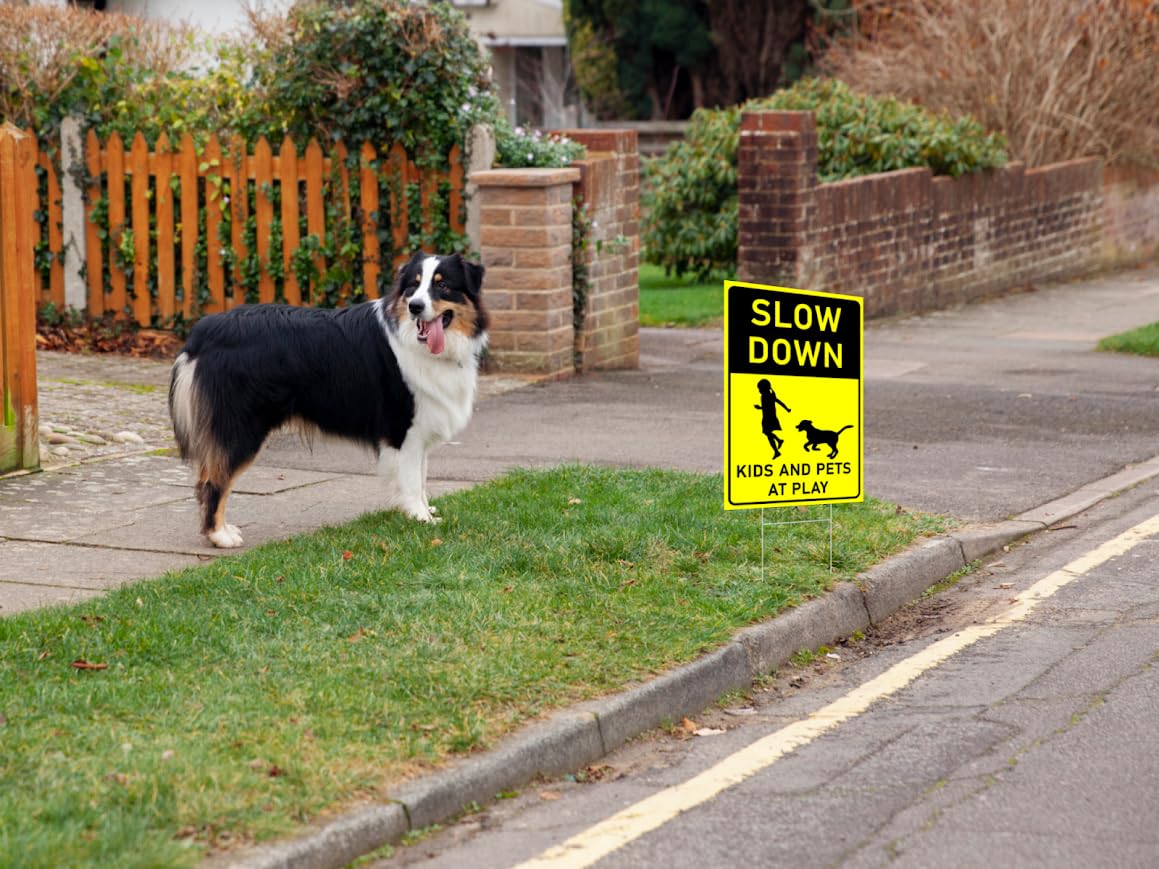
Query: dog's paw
[418, 511]
[226, 537]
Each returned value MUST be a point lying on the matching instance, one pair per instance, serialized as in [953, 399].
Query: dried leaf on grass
[82, 664]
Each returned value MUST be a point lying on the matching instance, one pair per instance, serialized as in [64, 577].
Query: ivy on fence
[176, 232]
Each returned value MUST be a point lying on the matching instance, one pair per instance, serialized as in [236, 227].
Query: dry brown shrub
[1061, 78]
[39, 46]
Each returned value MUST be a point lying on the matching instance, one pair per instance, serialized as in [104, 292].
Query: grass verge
[227, 703]
[1143, 341]
[673, 301]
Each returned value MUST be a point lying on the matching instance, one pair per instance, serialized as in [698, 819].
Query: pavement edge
[576, 737]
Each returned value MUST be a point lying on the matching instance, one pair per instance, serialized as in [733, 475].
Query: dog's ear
[473, 272]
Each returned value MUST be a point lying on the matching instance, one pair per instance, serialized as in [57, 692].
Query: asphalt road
[1032, 746]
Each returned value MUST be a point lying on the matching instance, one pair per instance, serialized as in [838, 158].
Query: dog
[396, 374]
[815, 437]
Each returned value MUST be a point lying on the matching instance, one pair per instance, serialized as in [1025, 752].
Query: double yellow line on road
[598, 841]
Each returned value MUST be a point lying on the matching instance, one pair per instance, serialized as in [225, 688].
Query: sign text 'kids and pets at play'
[793, 428]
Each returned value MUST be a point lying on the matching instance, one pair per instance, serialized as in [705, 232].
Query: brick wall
[609, 188]
[1130, 214]
[525, 239]
[906, 240]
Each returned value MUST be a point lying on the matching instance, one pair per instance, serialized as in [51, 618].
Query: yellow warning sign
[793, 420]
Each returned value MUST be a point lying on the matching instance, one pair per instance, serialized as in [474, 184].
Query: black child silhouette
[770, 425]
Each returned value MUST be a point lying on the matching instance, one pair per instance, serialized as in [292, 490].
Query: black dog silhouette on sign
[770, 425]
[815, 437]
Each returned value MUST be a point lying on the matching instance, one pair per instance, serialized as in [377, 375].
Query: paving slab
[36, 574]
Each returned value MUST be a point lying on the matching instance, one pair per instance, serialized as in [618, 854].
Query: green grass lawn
[230, 702]
[1143, 341]
[673, 301]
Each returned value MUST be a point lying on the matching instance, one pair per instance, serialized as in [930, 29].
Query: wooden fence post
[19, 446]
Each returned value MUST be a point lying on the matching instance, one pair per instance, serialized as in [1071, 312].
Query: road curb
[577, 737]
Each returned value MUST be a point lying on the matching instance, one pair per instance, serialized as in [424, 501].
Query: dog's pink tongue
[436, 339]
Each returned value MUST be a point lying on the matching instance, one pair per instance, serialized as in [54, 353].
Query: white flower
[530, 158]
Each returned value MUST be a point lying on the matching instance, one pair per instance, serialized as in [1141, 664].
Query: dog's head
[437, 303]
[805, 425]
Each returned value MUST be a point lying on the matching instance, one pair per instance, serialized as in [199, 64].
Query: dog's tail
[843, 428]
[190, 413]
[183, 405]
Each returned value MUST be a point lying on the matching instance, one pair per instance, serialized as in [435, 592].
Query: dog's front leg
[412, 478]
[388, 472]
[426, 493]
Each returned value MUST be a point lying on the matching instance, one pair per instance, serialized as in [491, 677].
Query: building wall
[525, 22]
[213, 16]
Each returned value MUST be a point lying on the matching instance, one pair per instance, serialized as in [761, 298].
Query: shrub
[372, 70]
[691, 199]
[115, 71]
[1060, 78]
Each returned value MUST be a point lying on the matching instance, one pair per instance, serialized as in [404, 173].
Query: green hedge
[691, 198]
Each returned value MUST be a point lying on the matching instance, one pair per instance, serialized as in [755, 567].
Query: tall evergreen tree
[664, 58]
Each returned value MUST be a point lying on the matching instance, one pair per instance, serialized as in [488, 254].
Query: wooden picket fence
[19, 446]
[166, 228]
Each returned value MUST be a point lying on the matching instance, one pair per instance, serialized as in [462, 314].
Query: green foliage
[116, 92]
[518, 147]
[691, 203]
[627, 54]
[382, 71]
[593, 62]
[858, 134]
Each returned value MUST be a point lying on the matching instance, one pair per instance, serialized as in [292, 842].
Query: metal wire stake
[796, 522]
[762, 545]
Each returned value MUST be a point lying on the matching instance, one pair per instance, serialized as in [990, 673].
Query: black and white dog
[397, 374]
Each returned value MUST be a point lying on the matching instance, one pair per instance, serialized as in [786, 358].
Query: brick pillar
[525, 241]
[776, 187]
[609, 336]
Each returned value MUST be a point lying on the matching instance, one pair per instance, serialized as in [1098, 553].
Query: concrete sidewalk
[982, 413]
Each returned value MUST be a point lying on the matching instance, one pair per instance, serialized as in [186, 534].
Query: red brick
[529, 279]
[542, 258]
[517, 237]
[530, 300]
